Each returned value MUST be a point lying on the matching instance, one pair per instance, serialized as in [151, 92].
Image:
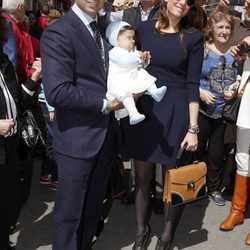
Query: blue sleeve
[9, 47]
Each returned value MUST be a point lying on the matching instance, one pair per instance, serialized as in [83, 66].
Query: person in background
[242, 179]
[49, 166]
[177, 33]
[42, 19]
[217, 76]
[28, 49]
[10, 98]
[146, 10]
[35, 30]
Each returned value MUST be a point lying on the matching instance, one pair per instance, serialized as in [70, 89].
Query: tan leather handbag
[184, 184]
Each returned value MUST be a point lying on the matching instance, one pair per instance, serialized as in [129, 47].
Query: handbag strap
[244, 87]
[179, 155]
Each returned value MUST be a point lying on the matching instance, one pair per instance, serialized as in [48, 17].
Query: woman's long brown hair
[196, 17]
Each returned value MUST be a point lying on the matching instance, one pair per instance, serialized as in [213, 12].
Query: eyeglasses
[190, 3]
[32, 18]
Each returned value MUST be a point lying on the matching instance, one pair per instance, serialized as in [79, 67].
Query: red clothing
[42, 21]
[25, 53]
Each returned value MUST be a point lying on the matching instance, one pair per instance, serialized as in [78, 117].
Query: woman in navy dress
[176, 45]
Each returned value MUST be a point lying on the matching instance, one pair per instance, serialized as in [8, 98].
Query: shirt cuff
[104, 106]
[31, 93]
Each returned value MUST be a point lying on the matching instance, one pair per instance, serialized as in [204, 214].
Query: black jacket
[133, 15]
[18, 94]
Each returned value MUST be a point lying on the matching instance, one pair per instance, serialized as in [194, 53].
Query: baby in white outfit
[126, 75]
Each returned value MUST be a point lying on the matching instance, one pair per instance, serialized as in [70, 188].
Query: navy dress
[157, 139]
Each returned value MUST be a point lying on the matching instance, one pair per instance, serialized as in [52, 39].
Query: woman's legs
[144, 173]
[172, 215]
[242, 182]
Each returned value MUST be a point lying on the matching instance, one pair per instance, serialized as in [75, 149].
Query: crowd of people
[136, 79]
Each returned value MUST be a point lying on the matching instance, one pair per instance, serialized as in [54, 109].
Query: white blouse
[244, 112]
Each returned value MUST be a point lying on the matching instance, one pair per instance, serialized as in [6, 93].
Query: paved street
[198, 228]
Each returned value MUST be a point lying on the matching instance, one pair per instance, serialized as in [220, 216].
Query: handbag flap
[188, 173]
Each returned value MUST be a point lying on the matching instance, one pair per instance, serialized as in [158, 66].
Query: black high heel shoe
[141, 241]
[163, 245]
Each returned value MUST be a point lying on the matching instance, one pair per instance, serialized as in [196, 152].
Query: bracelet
[193, 129]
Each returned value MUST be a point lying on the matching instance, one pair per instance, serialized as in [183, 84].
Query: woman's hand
[206, 96]
[5, 126]
[191, 140]
[231, 92]
[37, 70]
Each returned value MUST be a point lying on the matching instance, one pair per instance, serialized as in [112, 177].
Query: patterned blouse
[217, 75]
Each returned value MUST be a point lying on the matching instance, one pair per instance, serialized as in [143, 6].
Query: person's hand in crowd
[206, 96]
[224, 3]
[231, 92]
[37, 70]
[5, 126]
[51, 116]
[191, 140]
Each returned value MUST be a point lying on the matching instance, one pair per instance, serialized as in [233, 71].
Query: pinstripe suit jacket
[74, 81]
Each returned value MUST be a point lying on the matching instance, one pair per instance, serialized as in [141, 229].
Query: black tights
[144, 174]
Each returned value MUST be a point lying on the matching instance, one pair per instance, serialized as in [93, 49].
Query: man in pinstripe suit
[74, 78]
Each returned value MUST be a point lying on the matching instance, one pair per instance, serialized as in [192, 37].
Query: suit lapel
[87, 40]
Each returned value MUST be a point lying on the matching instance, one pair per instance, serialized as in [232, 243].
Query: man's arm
[10, 47]
[59, 76]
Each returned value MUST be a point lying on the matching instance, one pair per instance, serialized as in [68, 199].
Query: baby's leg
[134, 116]
[157, 93]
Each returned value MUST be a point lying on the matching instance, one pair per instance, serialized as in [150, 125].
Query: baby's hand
[145, 56]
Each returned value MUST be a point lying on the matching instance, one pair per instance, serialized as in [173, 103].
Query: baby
[126, 74]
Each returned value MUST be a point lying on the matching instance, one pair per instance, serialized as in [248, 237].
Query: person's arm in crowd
[10, 47]
[30, 85]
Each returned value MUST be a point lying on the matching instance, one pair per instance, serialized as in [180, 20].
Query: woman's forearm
[193, 113]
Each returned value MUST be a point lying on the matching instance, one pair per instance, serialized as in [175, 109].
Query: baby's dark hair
[125, 28]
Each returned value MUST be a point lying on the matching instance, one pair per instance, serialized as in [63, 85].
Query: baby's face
[127, 40]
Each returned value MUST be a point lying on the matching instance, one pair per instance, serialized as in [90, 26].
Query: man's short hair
[11, 5]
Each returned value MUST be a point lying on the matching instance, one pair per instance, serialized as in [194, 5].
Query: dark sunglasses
[190, 3]
[32, 18]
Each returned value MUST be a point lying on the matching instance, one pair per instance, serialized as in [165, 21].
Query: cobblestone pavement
[198, 228]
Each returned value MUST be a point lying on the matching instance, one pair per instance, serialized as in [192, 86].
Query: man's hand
[138, 95]
[115, 105]
[5, 126]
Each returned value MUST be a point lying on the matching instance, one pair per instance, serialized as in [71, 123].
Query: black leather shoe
[162, 245]
[142, 240]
